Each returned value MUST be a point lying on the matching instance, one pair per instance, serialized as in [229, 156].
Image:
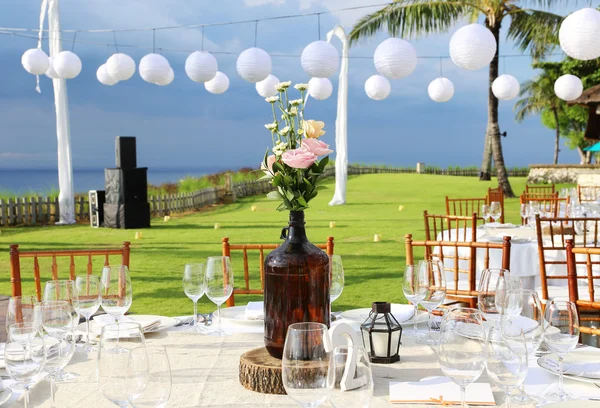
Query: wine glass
[89, 297]
[20, 310]
[148, 377]
[414, 294]
[219, 284]
[116, 342]
[491, 291]
[561, 336]
[485, 212]
[524, 213]
[336, 272]
[194, 286]
[495, 211]
[307, 369]
[432, 281]
[461, 351]
[117, 293]
[24, 355]
[351, 389]
[534, 209]
[65, 290]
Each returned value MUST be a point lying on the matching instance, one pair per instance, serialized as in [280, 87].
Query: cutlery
[185, 321]
[208, 319]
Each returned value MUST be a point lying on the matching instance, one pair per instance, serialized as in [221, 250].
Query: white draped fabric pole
[66, 197]
[341, 123]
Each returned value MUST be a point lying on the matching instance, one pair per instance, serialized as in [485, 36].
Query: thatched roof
[590, 96]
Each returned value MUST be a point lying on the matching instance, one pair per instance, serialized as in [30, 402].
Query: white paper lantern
[320, 59]
[320, 88]
[201, 66]
[168, 79]
[395, 58]
[254, 64]
[266, 87]
[506, 87]
[472, 47]
[568, 87]
[120, 66]
[378, 87]
[217, 85]
[579, 34]
[51, 73]
[67, 65]
[104, 77]
[154, 68]
[35, 61]
[441, 90]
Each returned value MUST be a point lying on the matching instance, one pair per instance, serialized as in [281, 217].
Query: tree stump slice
[260, 372]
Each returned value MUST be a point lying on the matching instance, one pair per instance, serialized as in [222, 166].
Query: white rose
[284, 131]
[271, 126]
[301, 87]
[272, 99]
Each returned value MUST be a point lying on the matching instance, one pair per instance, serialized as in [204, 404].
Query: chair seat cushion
[562, 292]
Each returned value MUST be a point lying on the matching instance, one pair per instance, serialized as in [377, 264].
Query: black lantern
[382, 334]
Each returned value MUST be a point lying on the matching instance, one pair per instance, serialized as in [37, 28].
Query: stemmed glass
[495, 211]
[20, 310]
[461, 351]
[432, 281]
[359, 394]
[55, 290]
[219, 284]
[525, 213]
[534, 209]
[336, 272]
[561, 336]
[307, 369]
[485, 212]
[414, 293]
[491, 291]
[148, 377]
[117, 294]
[194, 286]
[88, 301]
[24, 354]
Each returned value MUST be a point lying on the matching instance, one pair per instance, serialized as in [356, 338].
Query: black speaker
[126, 186]
[125, 152]
[96, 205]
[130, 216]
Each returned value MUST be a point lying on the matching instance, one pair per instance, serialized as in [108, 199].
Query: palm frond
[534, 31]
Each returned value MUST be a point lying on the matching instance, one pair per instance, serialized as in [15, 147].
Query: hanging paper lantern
[35, 61]
[395, 58]
[217, 85]
[254, 64]
[266, 87]
[579, 34]
[104, 77]
[50, 72]
[320, 88]
[201, 66]
[168, 79]
[378, 87]
[67, 65]
[441, 90]
[320, 59]
[472, 47]
[568, 87]
[154, 68]
[120, 66]
[506, 87]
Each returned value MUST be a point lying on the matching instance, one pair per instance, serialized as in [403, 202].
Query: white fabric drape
[341, 123]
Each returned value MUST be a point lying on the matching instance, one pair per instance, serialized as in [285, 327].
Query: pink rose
[299, 158]
[316, 147]
[270, 160]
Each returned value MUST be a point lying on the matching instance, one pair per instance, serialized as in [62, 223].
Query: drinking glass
[24, 354]
[485, 212]
[336, 272]
[432, 281]
[360, 390]
[525, 213]
[491, 291]
[561, 336]
[307, 369]
[461, 351]
[89, 297]
[148, 377]
[56, 290]
[413, 293]
[117, 293]
[116, 342]
[495, 211]
[194, 286]
[534, 209]
[219, 284]
[20, 310]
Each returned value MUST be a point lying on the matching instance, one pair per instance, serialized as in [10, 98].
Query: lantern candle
[382, 334]
[253, 208]
[377, 238]
[217, 225]
[331, 224]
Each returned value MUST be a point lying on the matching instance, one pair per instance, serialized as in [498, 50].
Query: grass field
[373, 270]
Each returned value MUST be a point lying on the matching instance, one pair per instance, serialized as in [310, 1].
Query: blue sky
[183, 126]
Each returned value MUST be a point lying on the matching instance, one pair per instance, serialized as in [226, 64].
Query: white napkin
[255, 311]
[439, 390]
[103, 320]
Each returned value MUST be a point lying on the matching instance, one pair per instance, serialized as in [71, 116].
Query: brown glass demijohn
[296, 285]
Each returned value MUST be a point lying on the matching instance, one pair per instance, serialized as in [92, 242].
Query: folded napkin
[439, 391]
[255, 311]
[147, 325]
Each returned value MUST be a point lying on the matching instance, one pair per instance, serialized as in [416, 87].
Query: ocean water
[24, 181]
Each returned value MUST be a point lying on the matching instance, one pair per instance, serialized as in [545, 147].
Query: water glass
[432, 281]
[148, 377]
[219, 284]
[485, 212]
[307, 368]
[534, 209]
[524, 213]
[353, 378]
[117, 294]
[414, 293]
[20, 310]
[336, 277]
[62, 290]
[495, 211]
[194, 286]
[89, 297]
[491, 291]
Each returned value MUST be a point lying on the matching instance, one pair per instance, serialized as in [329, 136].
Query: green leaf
[277, 180]
[289, 195]
[274, 195]
[308, 184]
[302, 201]
[277, 167]
[265, 159]
[266, 176]
[323, 163]
[319, 188]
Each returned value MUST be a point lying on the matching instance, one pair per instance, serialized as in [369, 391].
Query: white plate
[402, 313]
[575, 359]
[5, 395]
[580, 403]
[165, 323]
[237, 315]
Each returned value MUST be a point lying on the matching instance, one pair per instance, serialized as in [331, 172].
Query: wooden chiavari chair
[450, 227]
[464, 206]
[588, 193]
[542, 189]
[459, 263]
[496, 195]
[548, 205]
[245, 248]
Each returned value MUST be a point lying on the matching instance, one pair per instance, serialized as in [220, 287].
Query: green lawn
[373, 270]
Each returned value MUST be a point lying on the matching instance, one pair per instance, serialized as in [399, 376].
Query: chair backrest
[588, 193]
[452, 227]
[496, 195]
[244, 248]
[592, 265]
[552, 237]
[464, 206]
[541, 189]
[16, 255]
[549, 205]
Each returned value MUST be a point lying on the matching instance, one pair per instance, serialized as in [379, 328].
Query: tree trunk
[493, 129]
[556, 142]
[588, 157]
[581, 155]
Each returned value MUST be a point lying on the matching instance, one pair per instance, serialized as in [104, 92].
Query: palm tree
[532, 30]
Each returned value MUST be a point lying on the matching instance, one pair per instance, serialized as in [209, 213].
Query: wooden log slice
[260, 372]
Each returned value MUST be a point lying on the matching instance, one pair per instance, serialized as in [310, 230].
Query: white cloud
[256, 3]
